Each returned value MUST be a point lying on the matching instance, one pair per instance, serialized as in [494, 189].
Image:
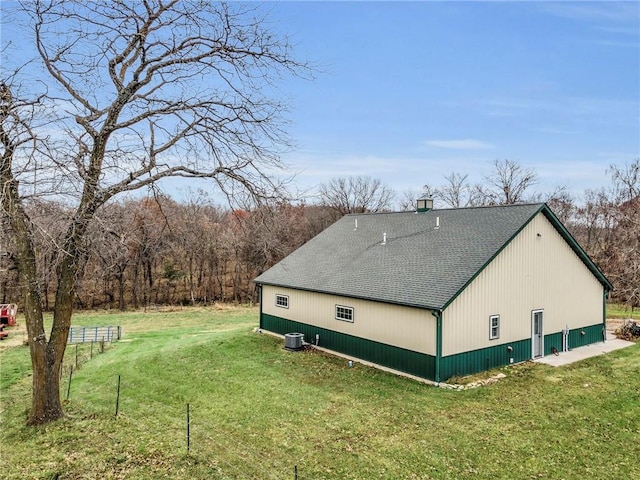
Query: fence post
[69, 386]
[91, 351]
[76, 356]
[118, 397]
[188, 430]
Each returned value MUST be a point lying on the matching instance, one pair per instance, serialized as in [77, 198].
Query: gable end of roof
[575, 246]
[564, 233]
[496, 253]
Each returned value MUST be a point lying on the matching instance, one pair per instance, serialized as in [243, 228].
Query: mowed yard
[258, 412]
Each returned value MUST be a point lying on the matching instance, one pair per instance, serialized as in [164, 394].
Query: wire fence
[75, 357]
[185, 432]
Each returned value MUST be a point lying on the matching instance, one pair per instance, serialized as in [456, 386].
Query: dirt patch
[17, 336]
[614, 323]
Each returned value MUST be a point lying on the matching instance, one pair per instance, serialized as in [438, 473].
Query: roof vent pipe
[437, 222]
[356, 227]
[384, 238]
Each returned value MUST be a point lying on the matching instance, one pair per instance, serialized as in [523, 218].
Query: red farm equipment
[7, 317]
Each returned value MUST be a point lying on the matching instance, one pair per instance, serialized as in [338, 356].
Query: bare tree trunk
[120, 279]
[131, 69]
[45, 357]
[192, 296]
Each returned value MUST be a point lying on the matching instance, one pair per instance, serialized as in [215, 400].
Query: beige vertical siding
[405, 327]
[533, 272]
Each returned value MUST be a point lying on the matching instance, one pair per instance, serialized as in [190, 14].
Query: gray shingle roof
[419, 265]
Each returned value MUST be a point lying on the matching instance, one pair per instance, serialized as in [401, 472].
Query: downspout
[605, 296]
[438, 316]
[259, 285]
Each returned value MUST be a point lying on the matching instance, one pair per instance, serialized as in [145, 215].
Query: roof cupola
[424, 204]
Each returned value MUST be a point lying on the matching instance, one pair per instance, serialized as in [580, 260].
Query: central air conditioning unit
[293, 341]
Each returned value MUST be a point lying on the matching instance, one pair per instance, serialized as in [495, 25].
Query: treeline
[156, 250]
[152, 251]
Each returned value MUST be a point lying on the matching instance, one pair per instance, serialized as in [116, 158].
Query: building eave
[357, 297]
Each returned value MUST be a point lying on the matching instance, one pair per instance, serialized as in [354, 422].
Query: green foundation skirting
[408, 361]
[475, 361]
[423, 365]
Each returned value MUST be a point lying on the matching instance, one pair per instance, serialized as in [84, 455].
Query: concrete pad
[588, 351]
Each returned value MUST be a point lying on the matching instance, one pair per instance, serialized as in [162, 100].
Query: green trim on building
[475, 361]
[575, 246]
[408, 361]
[604, 309]
[468, 363]
[435, 368]
[592, 334]
[498, 252]
[564, 233]
[438, 315]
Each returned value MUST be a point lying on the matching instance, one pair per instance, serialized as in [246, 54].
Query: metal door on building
[537, 336]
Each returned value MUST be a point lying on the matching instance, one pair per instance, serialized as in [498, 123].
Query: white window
[494, 327]
[282, 301]
[344, 313]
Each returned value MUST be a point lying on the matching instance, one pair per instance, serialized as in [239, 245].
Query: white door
[537, 335]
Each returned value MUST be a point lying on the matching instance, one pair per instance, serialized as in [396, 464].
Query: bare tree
[457, 192]
[594, 221]
[623, 255]
[562, 203]
[142, 91]
[191, 235]
[49, 220]
[356, 195]
[607, 225]
[625, 180]
[111, 240]
[18, 121]
[507, 184]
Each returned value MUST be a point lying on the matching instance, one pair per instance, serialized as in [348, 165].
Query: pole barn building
[440, 293]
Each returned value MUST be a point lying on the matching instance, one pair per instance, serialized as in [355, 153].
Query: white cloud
[463, 144]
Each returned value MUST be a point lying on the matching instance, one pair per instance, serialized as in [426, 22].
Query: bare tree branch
[356, 195]
[137, 92]
[507, 184]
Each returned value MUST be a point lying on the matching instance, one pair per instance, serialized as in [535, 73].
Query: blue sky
[410, 91]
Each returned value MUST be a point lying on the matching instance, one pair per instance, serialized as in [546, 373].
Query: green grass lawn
[616, 310]
[257, 411]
